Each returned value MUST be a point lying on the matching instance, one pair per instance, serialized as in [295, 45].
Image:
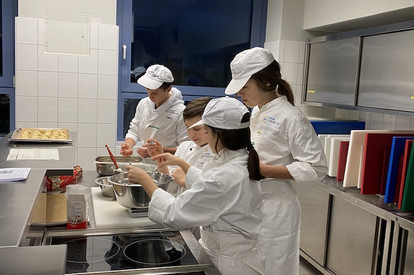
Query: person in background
[195, 151]
[288, 148]
[157, 116]
[224, 197]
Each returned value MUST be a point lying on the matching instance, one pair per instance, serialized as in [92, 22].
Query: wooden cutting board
[109, 213]
[50, 209]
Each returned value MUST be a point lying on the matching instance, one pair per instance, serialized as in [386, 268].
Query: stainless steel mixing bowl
[106, 187]
[105, 166]
[131, 195]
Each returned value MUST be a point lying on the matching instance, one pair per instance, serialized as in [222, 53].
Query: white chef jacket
[283, 136]
[164, 123]
[194, 155]
[225, 202]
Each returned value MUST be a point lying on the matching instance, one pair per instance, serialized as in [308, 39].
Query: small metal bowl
[106, 187]
[131, 195]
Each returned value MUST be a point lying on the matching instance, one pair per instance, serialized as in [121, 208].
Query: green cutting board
[407, 203]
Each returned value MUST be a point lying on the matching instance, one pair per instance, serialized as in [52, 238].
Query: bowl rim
[102, 184]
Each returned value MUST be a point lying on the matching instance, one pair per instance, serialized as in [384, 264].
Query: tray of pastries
[60, 135]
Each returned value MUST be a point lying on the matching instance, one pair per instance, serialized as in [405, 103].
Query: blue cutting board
[397, 150]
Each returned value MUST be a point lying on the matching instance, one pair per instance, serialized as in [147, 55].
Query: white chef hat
[245, 64]
[155, 76]
[200, 122]
[225, 113]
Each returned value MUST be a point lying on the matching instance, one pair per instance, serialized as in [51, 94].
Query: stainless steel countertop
[36, 260]
[17, 198]
[371, 203]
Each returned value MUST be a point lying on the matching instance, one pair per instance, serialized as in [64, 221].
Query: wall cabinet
[369, 69]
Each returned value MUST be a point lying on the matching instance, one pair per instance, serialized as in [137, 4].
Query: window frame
[128, 90]
[9, 11]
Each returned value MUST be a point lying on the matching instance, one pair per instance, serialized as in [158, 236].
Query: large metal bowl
[131, 195]
[105, 166]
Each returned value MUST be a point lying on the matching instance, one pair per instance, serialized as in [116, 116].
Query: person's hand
[154, 147]
[179, 177]
[126, 149]
[140, 176]
[142, 151]
[166, 159]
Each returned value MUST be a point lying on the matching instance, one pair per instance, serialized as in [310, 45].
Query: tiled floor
[306, 268]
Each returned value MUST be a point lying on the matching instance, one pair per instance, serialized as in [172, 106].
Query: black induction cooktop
[101, 253]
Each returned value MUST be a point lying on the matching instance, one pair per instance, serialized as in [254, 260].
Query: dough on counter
[43, 134]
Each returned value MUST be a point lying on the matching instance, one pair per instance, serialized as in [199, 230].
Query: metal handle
[124, 48]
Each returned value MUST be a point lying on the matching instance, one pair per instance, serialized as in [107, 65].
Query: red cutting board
[372, 162]
[343, 153]
[406, 158]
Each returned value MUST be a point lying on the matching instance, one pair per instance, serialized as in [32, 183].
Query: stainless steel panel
[386, 79]
[315, 205]
[332, 71]
[352, 235]
[409, 254]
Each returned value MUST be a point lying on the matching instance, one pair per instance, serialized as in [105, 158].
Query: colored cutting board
[376, 144]
[397, 150]
[334, 155]
[406, 159]
[342, 155]
[353, 160]
[407, 203]
[328, 147]
[336, 126]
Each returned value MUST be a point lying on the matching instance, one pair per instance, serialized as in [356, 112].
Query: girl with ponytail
[288, 149]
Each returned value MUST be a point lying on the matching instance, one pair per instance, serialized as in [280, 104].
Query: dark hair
[195, 107]
[270, 79]
[165, 85]
[238, 139]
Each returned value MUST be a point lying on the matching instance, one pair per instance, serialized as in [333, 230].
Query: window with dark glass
[195, 39]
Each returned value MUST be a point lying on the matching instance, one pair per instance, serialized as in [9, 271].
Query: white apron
[232, 253]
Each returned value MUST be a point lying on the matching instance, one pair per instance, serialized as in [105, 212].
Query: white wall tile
[86, 135]
[86, 158]
[89, 63]
[68, 85]
[27, 84]
[402, 123]
[28, 124]
[302, 49]
[273, 47]
[389, 122]
[88, 86]
[47, 84]
[46, 61]
[67, 110]
[291, 51]
[107, 87]
[26, 30]
[68, 63]
[93, 42]
[107, 111]
[281, 57]
[376, 121]
[40, 31]
[26, 57]
[26, 108]
[106, 134]
[47, 109]
[290, 72]
[87, 110]
[108, 62]
[107, 37]
[47, 124]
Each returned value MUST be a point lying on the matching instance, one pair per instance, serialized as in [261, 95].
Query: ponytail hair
[239, 139]
[270, 79]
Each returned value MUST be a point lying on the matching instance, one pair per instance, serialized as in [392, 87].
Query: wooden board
[50, 209]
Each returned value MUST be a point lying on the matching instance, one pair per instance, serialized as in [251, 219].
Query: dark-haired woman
[223, 198]
[288, 148]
